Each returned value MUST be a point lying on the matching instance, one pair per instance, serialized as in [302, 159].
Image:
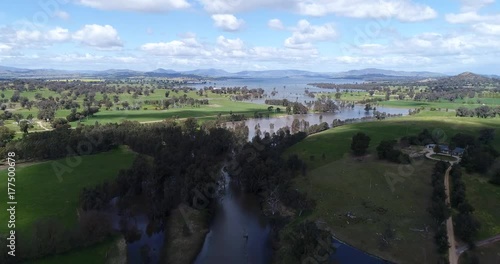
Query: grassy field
[335, 143]
[407, 103]
[485, 198]
[341, 184]
[39, 192]
[219, 104]
[472, 103]
[361, 189]
[104, 252]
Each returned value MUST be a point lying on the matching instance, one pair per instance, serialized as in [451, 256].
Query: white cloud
[76, 57]
[230, 47]
[230, 44]
[27, 36]
[227, 22]
[473, 5]
[234, 6]
[4, 47]
[186, 47]
[137, 5]
[471, 17]
[487, 29]
[305, 34]
[58, 34]
[403, 10]
[62, 14]
[275, 24]
[97, 36]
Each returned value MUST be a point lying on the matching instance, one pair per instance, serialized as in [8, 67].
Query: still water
[239, 233]
[274, 123]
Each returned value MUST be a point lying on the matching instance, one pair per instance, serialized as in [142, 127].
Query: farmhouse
[444, 149]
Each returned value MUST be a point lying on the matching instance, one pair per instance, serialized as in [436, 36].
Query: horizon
[234, 72]
[317, 36]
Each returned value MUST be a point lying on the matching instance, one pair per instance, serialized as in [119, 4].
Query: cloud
[403, 10]
[275, 24]
[97, 36]
[230, 47]
[58, 34]
[62, 15]
[4, 47]
[227, 22]
[473, 5]
[305, 34]
[471, 17]
[469, 13]
[230, 44]
[186, 47]
[487, 29]
[154, 6]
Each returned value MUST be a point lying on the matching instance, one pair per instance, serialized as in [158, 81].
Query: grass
[101, 253]
[342, 184]
[348, 185]
[40, 194]
[219, 104]
[443, 157]
[335, 143]
[485, 198]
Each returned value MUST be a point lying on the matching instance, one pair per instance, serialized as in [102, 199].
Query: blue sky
[448, 36]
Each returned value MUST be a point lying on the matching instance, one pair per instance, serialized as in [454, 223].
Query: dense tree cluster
[439, 209]
[308, 243]
[465, 223]
[386, 150]
[360, 143]
[478, 156]
[482, 111]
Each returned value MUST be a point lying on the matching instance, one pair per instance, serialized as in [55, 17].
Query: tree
[483, 111]
[368, 107]
[486, 135]
[24, 126]
[6, 135]
[360, 143]
[190, 125]
[60, 123]
[437, 149]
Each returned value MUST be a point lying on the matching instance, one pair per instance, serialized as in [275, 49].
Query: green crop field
[39, 193]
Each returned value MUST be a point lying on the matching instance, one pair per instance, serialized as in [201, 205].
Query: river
[239, 232]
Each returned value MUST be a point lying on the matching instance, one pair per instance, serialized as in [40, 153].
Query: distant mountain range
[370, 74]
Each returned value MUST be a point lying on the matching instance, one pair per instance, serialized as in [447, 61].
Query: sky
[447, 36]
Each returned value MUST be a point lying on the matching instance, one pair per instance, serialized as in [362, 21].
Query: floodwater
[272, 124]
[239, 232]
